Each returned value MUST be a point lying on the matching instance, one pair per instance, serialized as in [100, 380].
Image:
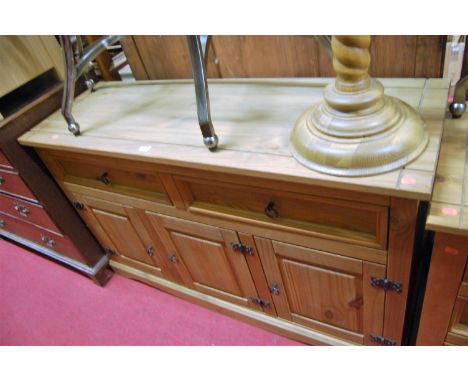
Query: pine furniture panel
[443, 316]
[314, 270]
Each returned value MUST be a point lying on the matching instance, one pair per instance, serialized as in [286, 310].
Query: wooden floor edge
[264, 321]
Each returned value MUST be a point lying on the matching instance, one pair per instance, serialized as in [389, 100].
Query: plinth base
[392, 147]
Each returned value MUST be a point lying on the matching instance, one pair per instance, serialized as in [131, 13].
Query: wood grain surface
[156, 122]
[165, 57]
[449, 204]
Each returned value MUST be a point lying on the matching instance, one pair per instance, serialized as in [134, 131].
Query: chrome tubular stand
[210, 139]
[75, 69]
[458, 106]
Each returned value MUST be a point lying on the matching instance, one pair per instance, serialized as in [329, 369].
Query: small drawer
[115, 175]
[30, 212]
[42, 237]
[4, 162]
[11, 182]
[342, 220]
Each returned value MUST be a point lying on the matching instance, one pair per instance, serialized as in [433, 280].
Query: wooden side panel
[22, 59]
[403, 215]
[429, 56]
[393, 56]
[449, 256]
[163, 57]
[266, 56]
[134, 59]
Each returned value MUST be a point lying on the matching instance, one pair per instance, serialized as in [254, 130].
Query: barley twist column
[357, 130]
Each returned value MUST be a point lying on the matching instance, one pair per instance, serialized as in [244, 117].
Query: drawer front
[40, 236]
[4, 161]
[12, 183]
[346, 221]
[32, 213]
[110, 174]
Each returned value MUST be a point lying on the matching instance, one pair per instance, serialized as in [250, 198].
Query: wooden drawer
[11, 182]
[30, 212]
[331, 218]
[110, 174]
[4, 161]
[40, 236]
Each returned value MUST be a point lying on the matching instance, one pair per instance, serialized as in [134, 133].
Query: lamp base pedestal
[370, 135]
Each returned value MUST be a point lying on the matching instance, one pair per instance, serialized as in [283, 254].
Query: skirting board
[264, 321]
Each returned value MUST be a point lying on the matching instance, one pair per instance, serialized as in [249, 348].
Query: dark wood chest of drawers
[33, 210]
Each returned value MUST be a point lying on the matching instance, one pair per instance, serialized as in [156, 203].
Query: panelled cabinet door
[323, 291]
[120, 231]
[207, 261]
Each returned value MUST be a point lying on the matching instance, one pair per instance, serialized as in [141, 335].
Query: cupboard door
[206, 260]
[121, 232]
[323, 291]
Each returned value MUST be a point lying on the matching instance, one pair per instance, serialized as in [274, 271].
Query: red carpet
[42, 303]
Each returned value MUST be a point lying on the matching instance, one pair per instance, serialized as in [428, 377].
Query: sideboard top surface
[156, 121]
[449, 205]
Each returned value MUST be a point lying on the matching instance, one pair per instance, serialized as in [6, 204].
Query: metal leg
[210, 139]
[69, 85]
[458, 106]
[74, 69]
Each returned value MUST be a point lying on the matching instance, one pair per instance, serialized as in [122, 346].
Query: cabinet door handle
[173, 258]
[271, 211]
[47, 240]
[2, 223]
[22, 210]
[274, 289]
[104, 178]
[2, 180]
[78, 205]
[109, 251]
[150, 250]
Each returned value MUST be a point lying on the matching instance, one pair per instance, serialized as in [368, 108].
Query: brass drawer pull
[2, 180]
[47, 240]
[150, 250]
[271, 211]
[22, 210]
[104, 178]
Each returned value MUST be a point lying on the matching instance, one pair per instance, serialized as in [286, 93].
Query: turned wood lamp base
[356, 130]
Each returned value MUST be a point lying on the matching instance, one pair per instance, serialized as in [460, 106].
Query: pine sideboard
[245, 230]
[444, 316]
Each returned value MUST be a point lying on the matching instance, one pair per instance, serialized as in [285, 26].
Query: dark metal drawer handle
[173, 258]
[2, 223]
[47, 240]
[22, 210]
[2, 180]
[274, 289]
[150, 250]
[104, 178]
[271, 211]
[109, 251]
